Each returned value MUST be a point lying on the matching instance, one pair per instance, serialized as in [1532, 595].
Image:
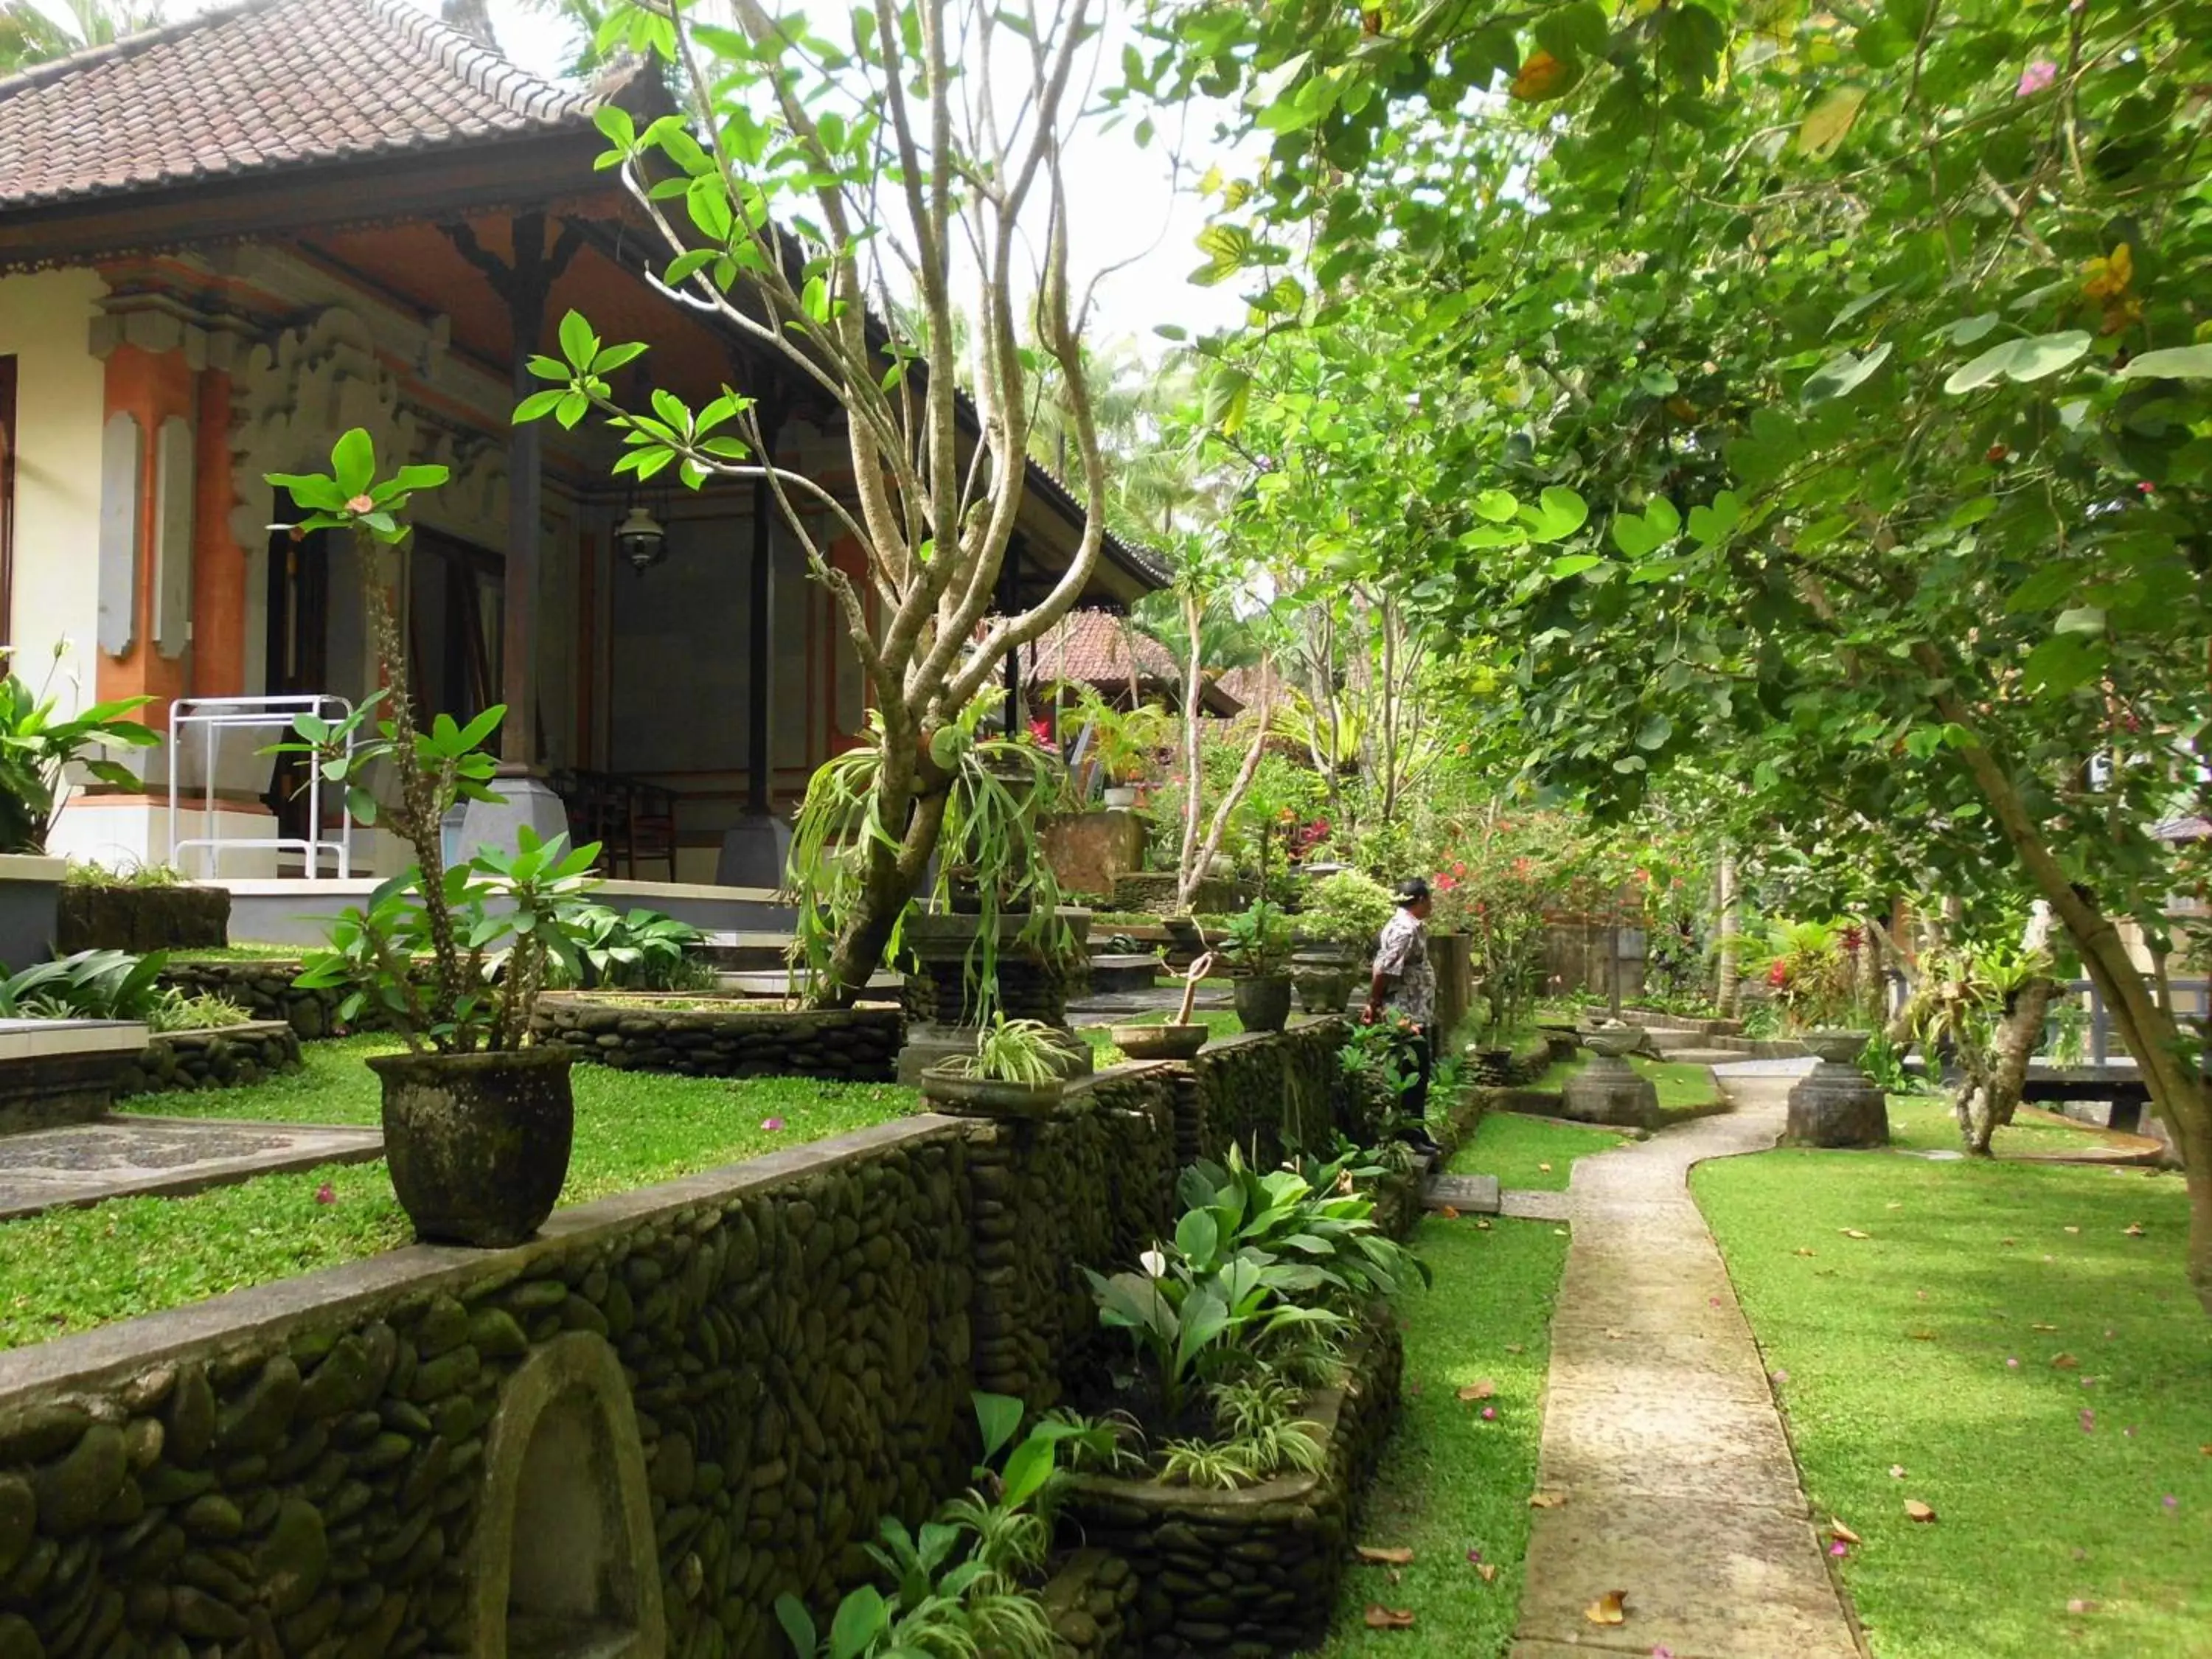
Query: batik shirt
[1405, 952]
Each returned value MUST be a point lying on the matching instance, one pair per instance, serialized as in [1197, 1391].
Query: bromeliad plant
[491, 928]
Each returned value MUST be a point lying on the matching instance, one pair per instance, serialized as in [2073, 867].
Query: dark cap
[1412, 890]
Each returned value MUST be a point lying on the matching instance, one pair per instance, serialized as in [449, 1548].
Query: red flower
[1778, 975]
[1041, 731]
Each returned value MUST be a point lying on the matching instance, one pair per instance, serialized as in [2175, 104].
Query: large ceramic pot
[1263, 1002]
[976, 1096]
[1836, 1048]
[478, 1143]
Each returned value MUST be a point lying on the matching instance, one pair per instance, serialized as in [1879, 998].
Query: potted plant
[1257, 948]
[477, 1122]
[38, 746]
[1018, 1069]
[1123, 742]
[1343, 916]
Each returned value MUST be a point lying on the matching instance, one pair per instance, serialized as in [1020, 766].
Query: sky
[1125, 201]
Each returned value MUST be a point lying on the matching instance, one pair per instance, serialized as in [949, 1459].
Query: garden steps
[741, 952]
[1671, 1475]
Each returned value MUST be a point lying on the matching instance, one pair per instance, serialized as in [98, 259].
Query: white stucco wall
[46, 321]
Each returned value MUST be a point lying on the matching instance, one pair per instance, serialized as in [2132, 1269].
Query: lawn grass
[1529, 1152]
[1451, 1482]
[70, 1269]
[1898, 1349]
[1926, 1123]
[242, 951]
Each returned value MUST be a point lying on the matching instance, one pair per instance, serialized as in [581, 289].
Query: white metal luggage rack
[216, 715]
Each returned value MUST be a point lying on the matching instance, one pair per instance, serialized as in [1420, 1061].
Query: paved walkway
[1660, 1436]
[132, 1157]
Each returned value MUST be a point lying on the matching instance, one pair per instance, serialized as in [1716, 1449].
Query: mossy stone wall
[230, 1056]
[857, 1045]
[301, 1469]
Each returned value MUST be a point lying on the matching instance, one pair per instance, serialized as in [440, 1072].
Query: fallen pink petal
[771, 1124]
[326, 1194]
[1474, 1557]
[1839, 1548]
[2088, 1421]
[1489, 1413]
[2171, 1501]
[2011, 1363]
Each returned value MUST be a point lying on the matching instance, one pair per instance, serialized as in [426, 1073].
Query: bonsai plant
[1257, 948]
[1175, 1039]
[477, 1122]
[1343, 915]
[1018, 1069]
[38, 744]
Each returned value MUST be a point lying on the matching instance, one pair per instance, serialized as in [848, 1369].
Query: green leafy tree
[1878, 341]
[33, 31]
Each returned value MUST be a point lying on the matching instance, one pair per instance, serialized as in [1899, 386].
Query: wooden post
[761, 668]
[526, 283]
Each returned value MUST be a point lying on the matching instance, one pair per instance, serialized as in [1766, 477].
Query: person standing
[1404, 988]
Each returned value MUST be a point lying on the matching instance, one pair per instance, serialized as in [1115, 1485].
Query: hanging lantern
[641, 539]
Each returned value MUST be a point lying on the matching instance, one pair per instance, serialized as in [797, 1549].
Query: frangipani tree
[845, 204]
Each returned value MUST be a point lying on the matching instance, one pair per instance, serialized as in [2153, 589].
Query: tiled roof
[254, 87]
[1093, 646]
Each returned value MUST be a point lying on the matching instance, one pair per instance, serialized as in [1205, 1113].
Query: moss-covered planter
[478, 1143]
[1254, 1570]
[224, 1057]
[141, 919]
[706, 1036]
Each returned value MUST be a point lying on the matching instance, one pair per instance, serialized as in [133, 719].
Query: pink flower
[1474, 1557]
[1838, 1548]
[2036, 76]
[771, 1124]
[326, 1194]
[1489, 1413]
[2012, 1364]
[2171, 1501]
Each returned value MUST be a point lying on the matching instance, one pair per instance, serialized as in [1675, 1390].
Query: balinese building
[226, 242]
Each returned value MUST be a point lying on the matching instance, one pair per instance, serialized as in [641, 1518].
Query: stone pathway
[135, 1156]
[1661, 1436]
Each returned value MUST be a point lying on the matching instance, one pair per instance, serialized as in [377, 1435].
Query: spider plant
[1024, 1051]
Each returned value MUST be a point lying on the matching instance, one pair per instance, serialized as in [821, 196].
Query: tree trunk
[1187, 892]
[1194, 800]
[893, 877]
[1728, 956]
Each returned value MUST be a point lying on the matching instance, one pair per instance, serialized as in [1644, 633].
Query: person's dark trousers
[1413, 1104]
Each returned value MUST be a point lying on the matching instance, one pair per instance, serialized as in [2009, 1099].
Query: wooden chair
[649, 830]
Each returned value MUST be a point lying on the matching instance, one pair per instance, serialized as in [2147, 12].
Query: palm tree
[33, 31]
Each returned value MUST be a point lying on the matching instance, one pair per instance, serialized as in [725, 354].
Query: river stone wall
[263, 986]
[329, 1466]
[858, 1045]
[1256, 1571]
[226, 1057]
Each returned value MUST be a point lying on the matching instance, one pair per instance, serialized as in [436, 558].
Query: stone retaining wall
[858, 1045]
[1255, 1572]
[263, 986]
[1091, 1603]
[344, 1464]
[227, 1057]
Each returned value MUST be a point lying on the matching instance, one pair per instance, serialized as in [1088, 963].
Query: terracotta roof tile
[268, 84]
[1092, 647]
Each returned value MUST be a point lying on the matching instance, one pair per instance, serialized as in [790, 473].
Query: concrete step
[1700, 1056]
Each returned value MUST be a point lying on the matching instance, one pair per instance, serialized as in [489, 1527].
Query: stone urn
[1835, 1103]
[478, 1144]
[1609, 1090]
[1263, 1001]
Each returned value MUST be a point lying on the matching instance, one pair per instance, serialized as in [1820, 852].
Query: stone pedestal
[1837, 1105]
[525, 799]
[755, 850]
[1610, 1090]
